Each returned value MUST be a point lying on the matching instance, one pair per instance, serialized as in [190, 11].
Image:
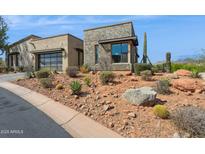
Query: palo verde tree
[3, 35]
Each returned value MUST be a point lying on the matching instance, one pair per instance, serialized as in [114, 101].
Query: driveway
[20, 119]
[11, 76]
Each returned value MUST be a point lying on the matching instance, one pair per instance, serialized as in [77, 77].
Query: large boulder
[145, 96]
[202, 75]
[183, 72]
[188, 85]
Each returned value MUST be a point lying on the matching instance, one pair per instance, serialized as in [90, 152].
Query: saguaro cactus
[168, 62]
[145, 48]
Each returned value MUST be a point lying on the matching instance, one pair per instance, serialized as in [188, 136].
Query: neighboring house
[112, 47]
[55, 53]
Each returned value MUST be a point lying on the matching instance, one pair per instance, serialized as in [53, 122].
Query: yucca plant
[75, 87]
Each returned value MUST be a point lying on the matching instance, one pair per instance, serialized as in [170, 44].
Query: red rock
[128, 74]
[187, 85]
[183, 72]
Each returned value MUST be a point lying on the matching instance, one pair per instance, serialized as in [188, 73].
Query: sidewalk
[72, 121]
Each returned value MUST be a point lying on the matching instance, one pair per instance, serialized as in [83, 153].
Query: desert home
[55, 52]
[112, 47]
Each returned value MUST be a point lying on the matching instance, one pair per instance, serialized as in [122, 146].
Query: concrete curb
[72, 121]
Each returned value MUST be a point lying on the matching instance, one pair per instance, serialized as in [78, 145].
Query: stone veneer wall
[91, 38]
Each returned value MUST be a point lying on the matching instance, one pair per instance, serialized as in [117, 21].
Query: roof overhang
[47, 50]
[132, 38]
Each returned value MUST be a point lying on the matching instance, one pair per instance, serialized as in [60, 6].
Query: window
[52, 61]
[120, 53]
[96, 53]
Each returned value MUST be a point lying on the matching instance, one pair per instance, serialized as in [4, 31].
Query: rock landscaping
[124, 102]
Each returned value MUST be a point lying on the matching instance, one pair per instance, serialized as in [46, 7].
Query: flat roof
[43, 38]
[122, 23]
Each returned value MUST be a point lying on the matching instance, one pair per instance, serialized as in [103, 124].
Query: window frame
[121, 51]
[51, 60]
[97, 51]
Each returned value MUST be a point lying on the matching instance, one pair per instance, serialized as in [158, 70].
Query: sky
[183, 36]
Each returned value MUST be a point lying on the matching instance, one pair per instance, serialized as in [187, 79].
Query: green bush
[59, 86]
[46, 82]
[161, 111]
[146, 75]
[162, 86]
[106, 77]
[141, 67]
[43, 73]
[188, 66]
[20, 69]
[87, 81]
[75, 87]
[195, 74]
[30, 74]
[158, 68]
[72, 72]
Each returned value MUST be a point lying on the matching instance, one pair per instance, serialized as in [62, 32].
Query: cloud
[22, 22]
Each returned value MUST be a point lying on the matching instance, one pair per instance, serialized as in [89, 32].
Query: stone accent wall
[91, 38]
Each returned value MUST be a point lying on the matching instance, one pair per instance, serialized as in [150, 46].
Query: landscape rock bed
[104, 103]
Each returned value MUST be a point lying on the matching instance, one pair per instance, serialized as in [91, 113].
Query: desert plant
[84, 68]
[87, 81]
[43, 73]
[46, 82]
[59, 86]
[30, 74]
[141, 67]
[20, 69]
[188, 66]
[168, 62]
[162, 86]
[191, 120]
[72, 72]
[144, 59]
[106, 77]
[146, 75]
[161, 111]
[75, 87]
[195, 74]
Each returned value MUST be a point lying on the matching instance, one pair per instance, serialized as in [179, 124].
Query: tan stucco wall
[74, 43]
[52, 43]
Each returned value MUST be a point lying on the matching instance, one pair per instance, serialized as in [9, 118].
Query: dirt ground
[104, 104]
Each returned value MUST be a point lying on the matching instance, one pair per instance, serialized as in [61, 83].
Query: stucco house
[55, 52]
[112, 47]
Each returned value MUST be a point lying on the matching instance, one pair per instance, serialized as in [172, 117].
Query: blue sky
[181, 35]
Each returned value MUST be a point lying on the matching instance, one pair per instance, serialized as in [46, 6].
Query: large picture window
[120, 53]
[52, 61]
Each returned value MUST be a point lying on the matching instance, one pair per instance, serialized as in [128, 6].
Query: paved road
[20, 119]
[11, 76]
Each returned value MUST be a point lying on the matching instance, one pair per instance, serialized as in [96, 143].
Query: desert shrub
[146, 75]
[106, 77]
[158, 68]
[43, 73]
[84, 68]
[87, 81]
[188, 66]
[20, 69]
[11, 69]
[75, 87]
[162, 86]
[59, 86]
[30, 74]
[191, 120]
[3, 69]
[141, 67]
[195, 74]
[46, 82]
[161, 111]
[72, 72]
